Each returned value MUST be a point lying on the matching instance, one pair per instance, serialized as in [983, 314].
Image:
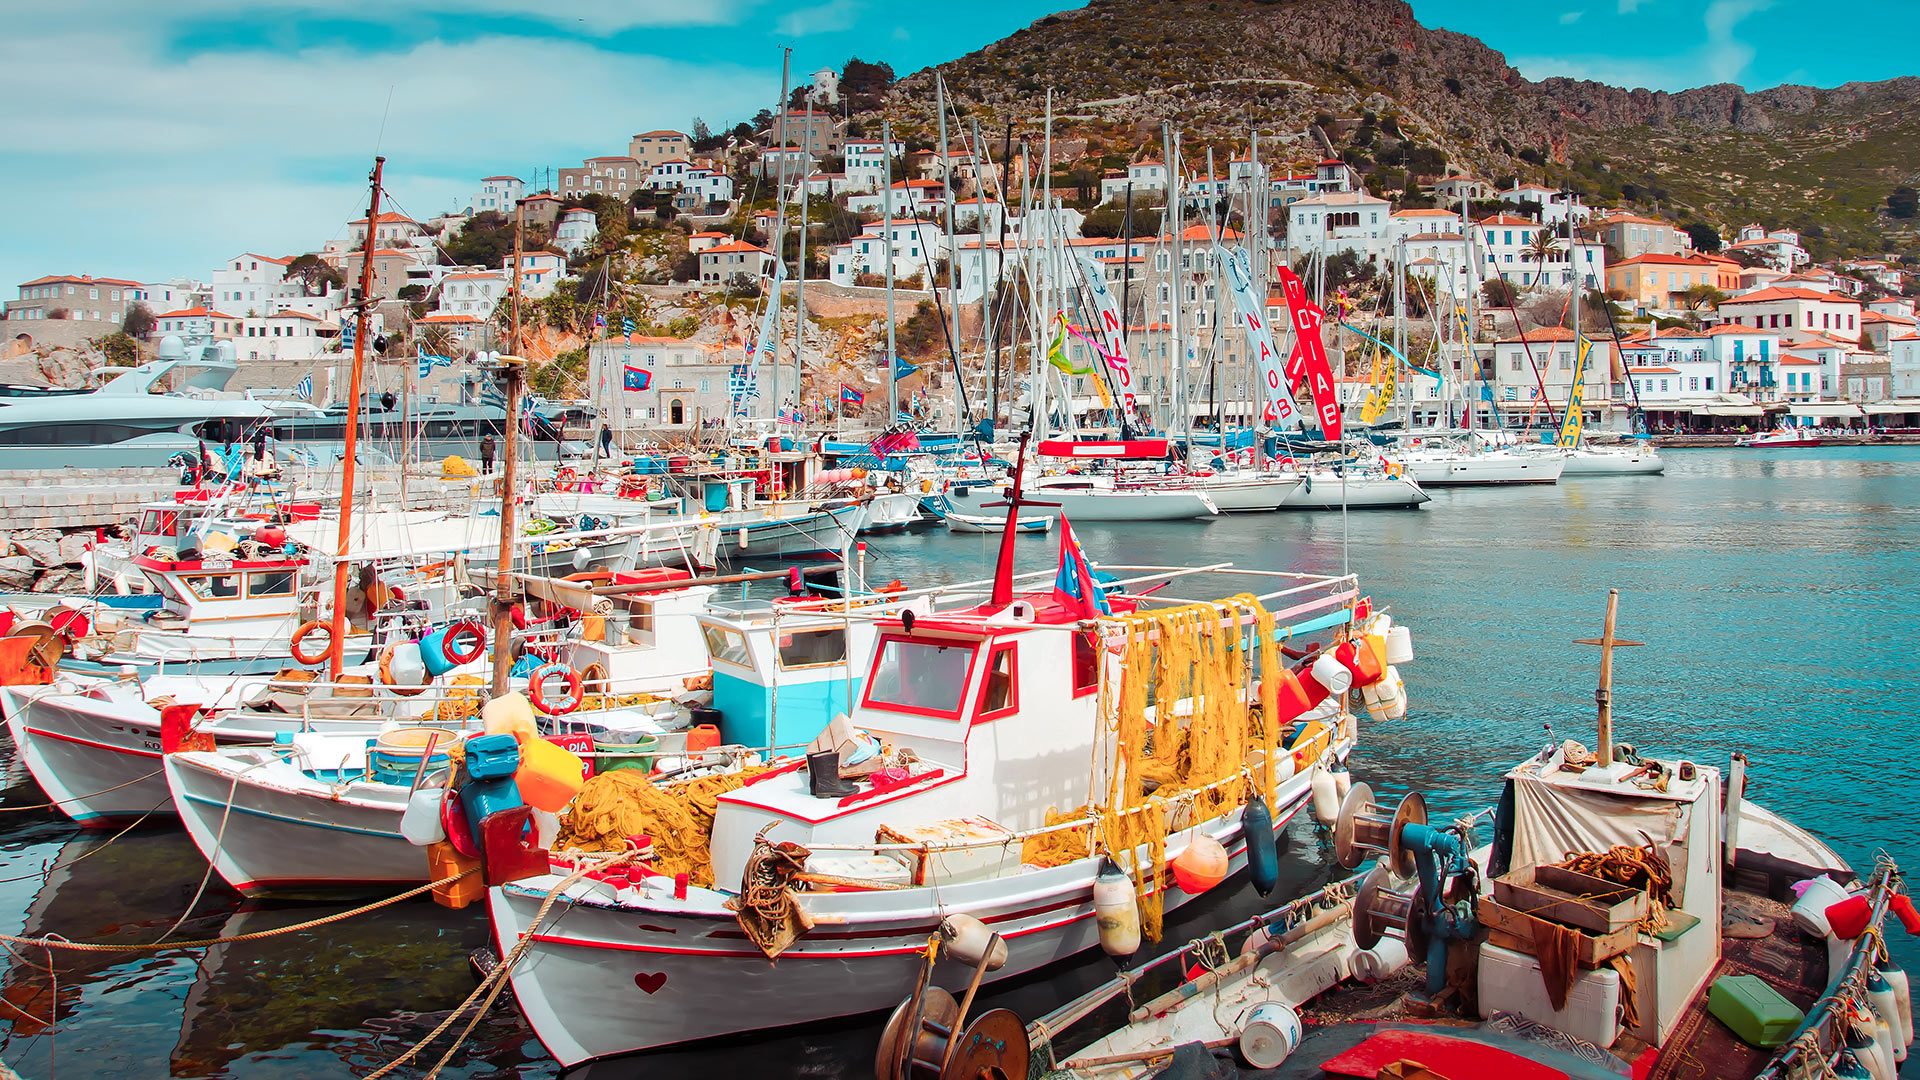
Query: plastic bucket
[1810, 911]
[395, 756]
[1269, 1034]
[638, 755]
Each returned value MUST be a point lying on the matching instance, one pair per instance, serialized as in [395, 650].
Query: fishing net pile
[613, 806]
[1180, 729]
[462, 700]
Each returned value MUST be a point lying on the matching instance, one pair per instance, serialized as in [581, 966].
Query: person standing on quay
[486, 454]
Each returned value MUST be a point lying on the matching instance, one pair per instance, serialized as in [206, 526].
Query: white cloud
[1628, 7]
[1727, 57]
[598, 16]
[145, 166]
[824, 18]
[1568, 18]
[1719, 57]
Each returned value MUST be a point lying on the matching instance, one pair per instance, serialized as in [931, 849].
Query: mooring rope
[147, 946]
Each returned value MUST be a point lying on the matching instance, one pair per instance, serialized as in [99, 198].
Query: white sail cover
[1280, 410]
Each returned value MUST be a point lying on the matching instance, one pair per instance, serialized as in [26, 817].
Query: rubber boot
[823, 774]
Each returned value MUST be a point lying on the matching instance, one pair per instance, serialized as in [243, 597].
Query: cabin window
[640, 617]
[999, 692]
[212, 586]
[728, 646]
[920, 677]
[160, 523]
[263, 583]
[810, 648]
[1086, 664]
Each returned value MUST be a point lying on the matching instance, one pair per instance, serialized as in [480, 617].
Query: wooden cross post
[1603, 696]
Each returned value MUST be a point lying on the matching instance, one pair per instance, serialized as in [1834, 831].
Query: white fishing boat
[890, 511]
[1695, 927]
[957, 821]
[1786, 436]
[1027, 525]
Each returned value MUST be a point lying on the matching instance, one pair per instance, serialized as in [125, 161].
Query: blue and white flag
[346, 334]
[1073, 585]
[769, 320]
[429, 361]
[626, 326]
[305, 389]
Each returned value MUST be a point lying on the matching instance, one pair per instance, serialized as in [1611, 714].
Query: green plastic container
[1754, 1010]
[637, 755]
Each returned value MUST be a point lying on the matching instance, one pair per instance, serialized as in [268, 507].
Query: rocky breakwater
[48, 517]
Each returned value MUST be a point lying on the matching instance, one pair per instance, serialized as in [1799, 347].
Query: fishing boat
[1028, 525]
[1700, 935]
[957, 820]
[1780, 437]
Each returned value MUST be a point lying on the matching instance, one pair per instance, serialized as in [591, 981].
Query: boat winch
[1439, 909]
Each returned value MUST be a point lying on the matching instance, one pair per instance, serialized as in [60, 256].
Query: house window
[1693, 383]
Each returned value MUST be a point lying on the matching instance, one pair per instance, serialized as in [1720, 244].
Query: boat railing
[1848, 984]
[1043, 1030]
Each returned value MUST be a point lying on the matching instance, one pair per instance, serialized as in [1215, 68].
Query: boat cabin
[1561, 810]
[782, 671]
[651, 641]
[998, 703]
[241, 598]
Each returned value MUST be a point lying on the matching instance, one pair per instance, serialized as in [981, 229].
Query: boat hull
[604, 979]
[273, 829]
[1613, 463]
[1477, 470]
[1091, 505]
[1326, 492]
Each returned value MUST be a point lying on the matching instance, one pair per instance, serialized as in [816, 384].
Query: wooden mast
[1603, 696]
[513, 373]
[338, 638]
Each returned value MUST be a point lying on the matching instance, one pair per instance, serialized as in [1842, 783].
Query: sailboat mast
[982, 164]
[779, 232]
[1177, 359]
[953, 291]
[362, 327]
[800, 282]
[514, 371]
[886, 225]
[1041, 363]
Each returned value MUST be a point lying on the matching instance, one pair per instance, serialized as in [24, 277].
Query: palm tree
[1543, 248]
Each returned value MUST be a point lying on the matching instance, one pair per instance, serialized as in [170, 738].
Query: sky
[152, 141]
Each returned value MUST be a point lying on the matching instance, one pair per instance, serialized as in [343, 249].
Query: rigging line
[380, 138]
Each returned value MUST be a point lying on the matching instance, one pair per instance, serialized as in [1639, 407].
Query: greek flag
[626, 325]
[1512, 394]
[741, 385]
[305, 389]
[346, 334]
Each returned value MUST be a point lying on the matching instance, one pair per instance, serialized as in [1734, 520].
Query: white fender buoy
[1896, 977]
[1375, 964]
[1115, 910]
[1886, 1013]
[1326, 797]
[1866, 1048]
[1398, 708]
[1342, 779]
[1399, 645]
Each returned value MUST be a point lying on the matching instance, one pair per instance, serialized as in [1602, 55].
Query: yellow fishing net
[1193, 662]
[679, 818]
[462, 700]
[456, 467]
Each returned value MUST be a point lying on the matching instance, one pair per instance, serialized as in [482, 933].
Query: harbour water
[1774, 590]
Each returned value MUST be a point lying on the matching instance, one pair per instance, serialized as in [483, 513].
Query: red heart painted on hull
[650, 981]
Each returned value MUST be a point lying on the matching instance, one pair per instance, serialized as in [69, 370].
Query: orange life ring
[306, 630]
[536, 689]
[386, 673]
[470, 630]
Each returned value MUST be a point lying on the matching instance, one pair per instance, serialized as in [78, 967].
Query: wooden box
[1512, 929]
[1562, 896]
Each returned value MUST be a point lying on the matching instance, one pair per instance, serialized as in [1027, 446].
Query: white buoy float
[1116, 911]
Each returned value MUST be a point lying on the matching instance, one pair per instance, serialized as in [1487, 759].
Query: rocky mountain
[1305, 72]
